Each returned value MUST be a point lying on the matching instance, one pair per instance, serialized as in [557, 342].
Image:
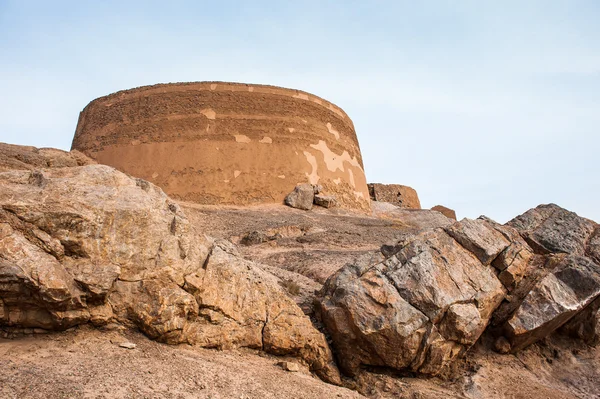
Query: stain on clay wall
[226, 143]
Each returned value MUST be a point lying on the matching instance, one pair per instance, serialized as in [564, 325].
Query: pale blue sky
[488, 107]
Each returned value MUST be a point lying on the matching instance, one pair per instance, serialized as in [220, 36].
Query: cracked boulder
[552, 229]
[417, 310]
[92, 245]
[561, 283]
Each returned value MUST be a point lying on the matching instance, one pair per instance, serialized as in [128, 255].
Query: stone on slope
[586, 324]
[449, 213]
[415, 218]
[93, 245]
[552, 229]
[558, 283]
[419, 309]
[302, 197]
[479, 237]
[241, 305]
[559, 296]
[17, 157]
[326, 201]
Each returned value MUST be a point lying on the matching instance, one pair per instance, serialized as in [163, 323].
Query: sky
[487, 107]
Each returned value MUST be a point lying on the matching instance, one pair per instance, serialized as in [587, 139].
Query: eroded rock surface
[418, 309]
[565, 286]
[434, 294]
[93, 245]
[26, 158]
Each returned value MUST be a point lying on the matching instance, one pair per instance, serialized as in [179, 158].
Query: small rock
[502, 345]
[289, 366]
[254, 238]
[127, 345]
[302, 197]
[317, 188]
[449, 213]
[326, 201]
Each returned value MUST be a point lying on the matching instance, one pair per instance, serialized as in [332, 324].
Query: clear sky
[488, 107]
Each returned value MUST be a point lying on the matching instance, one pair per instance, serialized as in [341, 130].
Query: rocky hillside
[401, 303]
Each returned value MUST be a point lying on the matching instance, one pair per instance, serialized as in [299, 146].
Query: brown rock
[104, 247]
[419, 309]
[559, 296]
[552, 229]
[501, 345]
[449, 213]
[302, 197]
[16, 157]
[244, 306]
[586, 324]
[480, 237]
[256, 142]
[417, 218]
[326, 201]
[593, 249]
[289, 366]
[402, 196]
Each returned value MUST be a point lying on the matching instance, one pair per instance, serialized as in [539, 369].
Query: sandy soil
[87, 363]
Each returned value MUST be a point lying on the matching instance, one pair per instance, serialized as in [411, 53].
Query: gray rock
[479, 237]
[586, 324]
[302, 197]
[127, 345]
[501, 345]
[552, 229]
[559, 296]
[593, 249]
[290, 366]
[326, 201]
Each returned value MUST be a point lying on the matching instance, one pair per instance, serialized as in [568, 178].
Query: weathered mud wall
[226, 143]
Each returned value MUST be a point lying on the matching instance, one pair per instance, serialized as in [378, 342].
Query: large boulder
[552, 229]
[418, 310]
[559, 296]
[564, 285]
[434, 293]
[93, 245]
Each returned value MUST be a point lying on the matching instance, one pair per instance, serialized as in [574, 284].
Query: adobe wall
[226, 143]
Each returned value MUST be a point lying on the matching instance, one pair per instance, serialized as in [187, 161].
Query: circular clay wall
[226, 143]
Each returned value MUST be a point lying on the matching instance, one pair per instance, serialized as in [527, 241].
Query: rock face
[256, 142]
[552, 229]
[449, 213]
[92, 245]
[27, 158]
[432, 295]
[402, 196]
[569, 282]
[418, 309]
[416, 218]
